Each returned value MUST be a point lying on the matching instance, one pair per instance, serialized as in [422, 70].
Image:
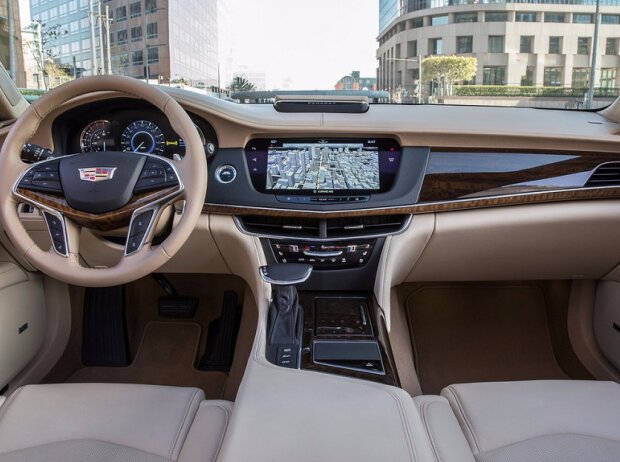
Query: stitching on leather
[226, 410]
[450, 390]
[406, 426]
[423, 407]
[183, 420]
[5, 406]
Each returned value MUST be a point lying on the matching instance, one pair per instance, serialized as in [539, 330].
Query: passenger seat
[535, 421]
[115, 422]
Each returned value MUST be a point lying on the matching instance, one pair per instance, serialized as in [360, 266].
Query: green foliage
[448, 69]
[529, 91]
[240, 83]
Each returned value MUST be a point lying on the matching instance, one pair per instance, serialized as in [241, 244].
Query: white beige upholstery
[537, 421]
[116, 422]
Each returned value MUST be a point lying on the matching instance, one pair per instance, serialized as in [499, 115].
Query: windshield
[561, 54]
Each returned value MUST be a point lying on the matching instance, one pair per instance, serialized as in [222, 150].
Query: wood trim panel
[101, 222]
[465, 204]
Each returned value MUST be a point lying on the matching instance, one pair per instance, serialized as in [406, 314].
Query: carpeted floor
[165, 356]
[466, 334]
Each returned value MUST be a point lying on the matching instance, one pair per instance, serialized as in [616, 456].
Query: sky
[299, 44]
[310, 43]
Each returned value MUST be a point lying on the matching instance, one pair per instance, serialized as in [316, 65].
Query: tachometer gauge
[144, 137]
[97, 136]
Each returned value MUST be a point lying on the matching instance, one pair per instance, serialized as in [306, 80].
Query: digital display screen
[333, 166]
[322, 167]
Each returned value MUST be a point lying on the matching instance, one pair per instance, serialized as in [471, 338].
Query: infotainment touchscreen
[322, 166]
[325, 166]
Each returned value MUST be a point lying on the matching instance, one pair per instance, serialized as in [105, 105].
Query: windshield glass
[561, 54]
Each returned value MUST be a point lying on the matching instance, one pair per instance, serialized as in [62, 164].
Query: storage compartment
[356, 355]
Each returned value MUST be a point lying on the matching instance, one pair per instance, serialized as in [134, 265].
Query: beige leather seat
[550, 421]
[110, 422]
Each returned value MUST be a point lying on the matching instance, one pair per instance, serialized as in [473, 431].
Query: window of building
[610, 19]
[496, 43]
[555, 17]
[412, 48]
[582, 18]
[439, 20]
[494, 75]
[608, 77]
[153, 55]
[121, 13]
[137, 58]
[151, 30]
[121, 37]
[397, 52]
[150, 6]
[74, 27]
[525, 17]
[553, 77]
[135, 9]
[416, 23]
[583, 45]
[555, 45]
[464, 44]
[527, 79]
[581, 77]
[611, 46]
[136, 33]
[435, 46]
[466, 17]
[496, 16]
[526, 44]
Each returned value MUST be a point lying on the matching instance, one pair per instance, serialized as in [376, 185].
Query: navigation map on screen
[323, 166]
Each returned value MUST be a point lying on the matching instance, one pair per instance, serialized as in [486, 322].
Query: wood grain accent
[100, 222]
[449, 173]
[464, 204]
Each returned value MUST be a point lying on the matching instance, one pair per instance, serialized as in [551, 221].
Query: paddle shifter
[285, 321]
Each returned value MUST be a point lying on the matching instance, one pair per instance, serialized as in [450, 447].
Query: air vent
[324, 228]
[281, 226]
[607, 174]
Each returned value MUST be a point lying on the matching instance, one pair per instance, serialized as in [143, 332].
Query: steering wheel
[102, 190]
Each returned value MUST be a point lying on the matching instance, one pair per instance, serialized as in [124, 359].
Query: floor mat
[479, 334]
[165, 356]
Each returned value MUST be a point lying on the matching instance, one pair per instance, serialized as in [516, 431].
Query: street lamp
[417, 59]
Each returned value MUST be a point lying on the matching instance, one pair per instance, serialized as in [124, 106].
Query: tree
[240, 83]
[56, 75]
[446, 70]
[41, 48]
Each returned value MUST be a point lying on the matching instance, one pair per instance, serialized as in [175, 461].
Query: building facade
[18, 72]
[161, 40]
[523, 44]
[390, 10]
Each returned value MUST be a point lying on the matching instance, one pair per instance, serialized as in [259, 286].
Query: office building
[390, 10]
[523, 44]
[353, 81]
[162, 40]
[18, 72]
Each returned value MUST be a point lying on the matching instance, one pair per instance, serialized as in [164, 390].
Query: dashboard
[125, 125]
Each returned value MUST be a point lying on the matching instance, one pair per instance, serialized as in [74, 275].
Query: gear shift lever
[286, 318]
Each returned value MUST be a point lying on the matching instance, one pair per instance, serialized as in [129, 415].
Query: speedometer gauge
[97, 136]
[144, 137]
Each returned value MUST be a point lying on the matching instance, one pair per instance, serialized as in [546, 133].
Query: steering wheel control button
[141, 223]
[137, 232]
[43, 178]
[156, 174]
[57, 232]
[226, 174]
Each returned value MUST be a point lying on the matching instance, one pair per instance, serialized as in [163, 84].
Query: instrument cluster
[129, 129]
